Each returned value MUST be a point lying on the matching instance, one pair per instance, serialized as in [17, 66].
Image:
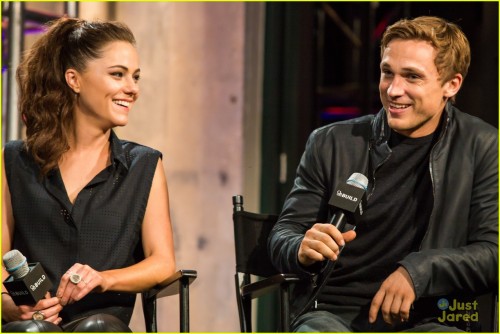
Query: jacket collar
[381, 131]
[380, 128]
[379, 148]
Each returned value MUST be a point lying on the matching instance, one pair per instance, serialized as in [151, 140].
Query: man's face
[410, 87]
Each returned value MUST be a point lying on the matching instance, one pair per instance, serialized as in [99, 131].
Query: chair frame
[178, 283]
[247, 290]
[250, 291]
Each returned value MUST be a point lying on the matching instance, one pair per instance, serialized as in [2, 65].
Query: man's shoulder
[472, 123]
[347, 128]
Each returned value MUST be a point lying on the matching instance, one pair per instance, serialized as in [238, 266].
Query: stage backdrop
[191, 109]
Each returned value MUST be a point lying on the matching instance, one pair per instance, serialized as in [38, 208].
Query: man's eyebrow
[404, 69]
[412, 69]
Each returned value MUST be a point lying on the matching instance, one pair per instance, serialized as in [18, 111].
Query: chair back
[250, 234]
[250, 238]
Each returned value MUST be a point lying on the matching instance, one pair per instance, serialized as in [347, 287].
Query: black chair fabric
[251, 231]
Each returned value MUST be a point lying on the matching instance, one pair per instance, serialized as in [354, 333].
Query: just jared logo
[458, 311]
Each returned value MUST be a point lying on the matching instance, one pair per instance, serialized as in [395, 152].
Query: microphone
[347, 200]
[27, 283]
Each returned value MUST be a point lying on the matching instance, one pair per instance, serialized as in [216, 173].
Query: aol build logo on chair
[458, 311]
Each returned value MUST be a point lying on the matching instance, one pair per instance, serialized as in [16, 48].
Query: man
[429, 230]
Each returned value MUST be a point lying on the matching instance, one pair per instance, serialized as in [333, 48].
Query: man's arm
[435, 272]
[306, 204]
[473, 266]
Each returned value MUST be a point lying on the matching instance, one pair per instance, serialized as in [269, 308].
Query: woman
[75, 197]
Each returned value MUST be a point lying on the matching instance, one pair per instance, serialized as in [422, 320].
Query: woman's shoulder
[140, 160]
[133, 147]
[131, 150]
[14, 148]
[133, 153]
[18, 160]
[14, 145]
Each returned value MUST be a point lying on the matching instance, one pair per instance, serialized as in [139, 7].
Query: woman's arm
[157, 240]
[10, 311]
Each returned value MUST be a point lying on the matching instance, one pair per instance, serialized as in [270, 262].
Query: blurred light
[340, 113]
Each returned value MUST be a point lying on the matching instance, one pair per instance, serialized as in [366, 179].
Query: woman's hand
[78, 282]
[48, 307]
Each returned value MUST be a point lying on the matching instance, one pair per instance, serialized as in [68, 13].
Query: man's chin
[399, 127]
[396, 124]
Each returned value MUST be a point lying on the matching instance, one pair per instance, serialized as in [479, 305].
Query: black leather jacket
[459, 251]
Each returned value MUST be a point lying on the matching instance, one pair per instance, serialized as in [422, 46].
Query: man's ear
[452, 86]
[73, 79]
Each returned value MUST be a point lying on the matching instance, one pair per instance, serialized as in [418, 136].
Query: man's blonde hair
[451, 45]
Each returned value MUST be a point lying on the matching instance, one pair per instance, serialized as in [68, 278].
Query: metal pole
[184, 304]
[16, 43]
[71, 8]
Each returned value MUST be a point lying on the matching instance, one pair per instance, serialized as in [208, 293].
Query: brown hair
[46, 102]
[451, 45]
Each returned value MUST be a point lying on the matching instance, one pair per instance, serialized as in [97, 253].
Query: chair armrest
[259, 288]
[171, 285]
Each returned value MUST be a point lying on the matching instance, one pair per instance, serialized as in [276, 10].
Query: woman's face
[108, 87]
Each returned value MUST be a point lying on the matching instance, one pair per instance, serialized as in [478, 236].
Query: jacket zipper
[373, 175]
[432, 179]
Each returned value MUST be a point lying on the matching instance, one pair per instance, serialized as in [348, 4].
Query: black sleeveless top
[102, 228]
